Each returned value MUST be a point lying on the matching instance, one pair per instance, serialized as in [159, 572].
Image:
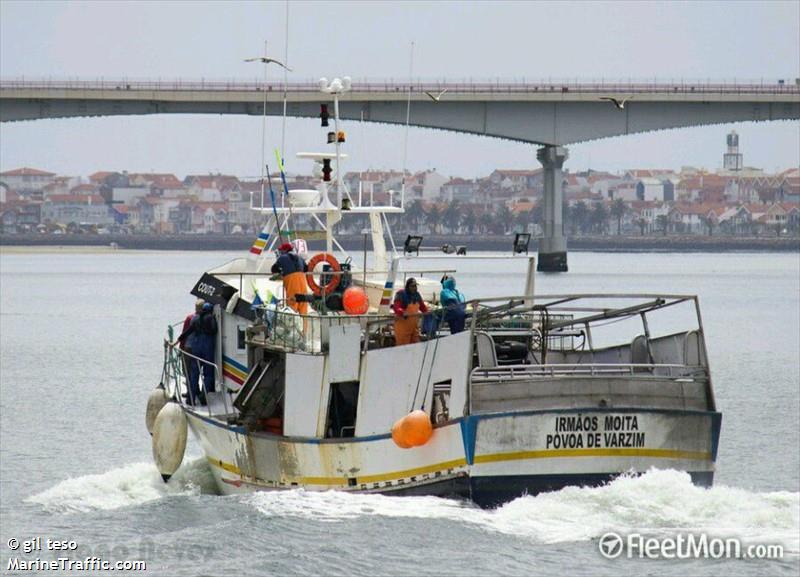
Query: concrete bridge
[550, 114]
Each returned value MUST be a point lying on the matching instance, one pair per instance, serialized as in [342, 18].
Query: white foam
[337, 506]
[656, 502]
[132, 484]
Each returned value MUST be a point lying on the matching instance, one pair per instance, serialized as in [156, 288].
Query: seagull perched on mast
[436, 97]
[267, 60]
[618, 103]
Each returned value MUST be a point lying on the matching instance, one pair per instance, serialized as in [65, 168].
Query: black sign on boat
[212, 290]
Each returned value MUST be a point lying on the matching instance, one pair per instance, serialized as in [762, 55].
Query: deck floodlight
[521, 242]
[412, 244]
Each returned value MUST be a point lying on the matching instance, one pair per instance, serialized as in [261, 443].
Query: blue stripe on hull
[496, 490]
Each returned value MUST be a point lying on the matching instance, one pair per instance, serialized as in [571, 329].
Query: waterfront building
[27, 181]
[80, 209]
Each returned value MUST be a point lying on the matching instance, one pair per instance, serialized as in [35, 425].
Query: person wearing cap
[292, 269]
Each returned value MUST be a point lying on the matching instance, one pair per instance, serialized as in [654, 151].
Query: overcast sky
[453, 40]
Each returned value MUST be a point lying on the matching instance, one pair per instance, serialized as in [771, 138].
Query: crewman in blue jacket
[453, 304]
[203, 328]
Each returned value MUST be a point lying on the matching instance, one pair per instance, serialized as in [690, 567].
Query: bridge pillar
[553, 245]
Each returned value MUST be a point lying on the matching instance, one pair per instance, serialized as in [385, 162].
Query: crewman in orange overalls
[292, 269]
[407, 305]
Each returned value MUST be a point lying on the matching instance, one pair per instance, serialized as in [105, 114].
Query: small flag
[386, 296]
[260, 243]
[258, 301]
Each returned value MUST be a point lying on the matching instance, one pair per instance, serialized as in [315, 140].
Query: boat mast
[333, 215]
[264, 128]
[340, 87]
[285, 82]
[408, 119]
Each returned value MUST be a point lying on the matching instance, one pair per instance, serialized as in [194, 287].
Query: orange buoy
[413, 430]
[418, 428]
[397, 435]
[355, 301]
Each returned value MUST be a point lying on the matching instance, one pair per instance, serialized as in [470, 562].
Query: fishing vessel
[538, 392]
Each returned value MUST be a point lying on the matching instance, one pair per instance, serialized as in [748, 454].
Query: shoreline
[91, 243]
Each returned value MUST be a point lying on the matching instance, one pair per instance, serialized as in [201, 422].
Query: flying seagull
[267, 60]
[436, 97]
[618, 103]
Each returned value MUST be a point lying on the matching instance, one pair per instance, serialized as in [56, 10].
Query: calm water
[80, 336]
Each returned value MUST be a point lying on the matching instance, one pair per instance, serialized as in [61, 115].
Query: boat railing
[177, 362]
[507, 373]
[559, 320]
[284, 329]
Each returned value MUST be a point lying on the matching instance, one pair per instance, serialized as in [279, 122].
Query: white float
[155, 402]
[169, 439]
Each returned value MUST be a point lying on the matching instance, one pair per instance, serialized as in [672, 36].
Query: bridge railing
[464, 86]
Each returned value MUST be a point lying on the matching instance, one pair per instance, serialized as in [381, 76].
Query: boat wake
[658, 502]
[126, 486]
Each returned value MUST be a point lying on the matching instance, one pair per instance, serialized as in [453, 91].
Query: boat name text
[593, 431]
[206, 289]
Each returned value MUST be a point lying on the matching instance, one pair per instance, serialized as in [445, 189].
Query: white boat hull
[489, 458]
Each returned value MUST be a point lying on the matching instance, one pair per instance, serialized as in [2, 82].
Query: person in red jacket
[186, 342]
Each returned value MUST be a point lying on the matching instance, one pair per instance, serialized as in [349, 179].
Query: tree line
[457, 218]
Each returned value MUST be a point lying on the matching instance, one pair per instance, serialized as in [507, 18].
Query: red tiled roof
[212, 180]
[509, 172]
[756, 208]
[83, 189]
[27, 172]
[522, 207]
[648, 172]
[706, 182]
[207, 205]
[101, 175]
[159, 180]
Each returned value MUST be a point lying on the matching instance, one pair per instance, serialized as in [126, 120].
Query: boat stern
[512, 454]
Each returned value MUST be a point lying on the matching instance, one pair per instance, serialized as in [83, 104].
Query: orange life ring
[334, 282]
